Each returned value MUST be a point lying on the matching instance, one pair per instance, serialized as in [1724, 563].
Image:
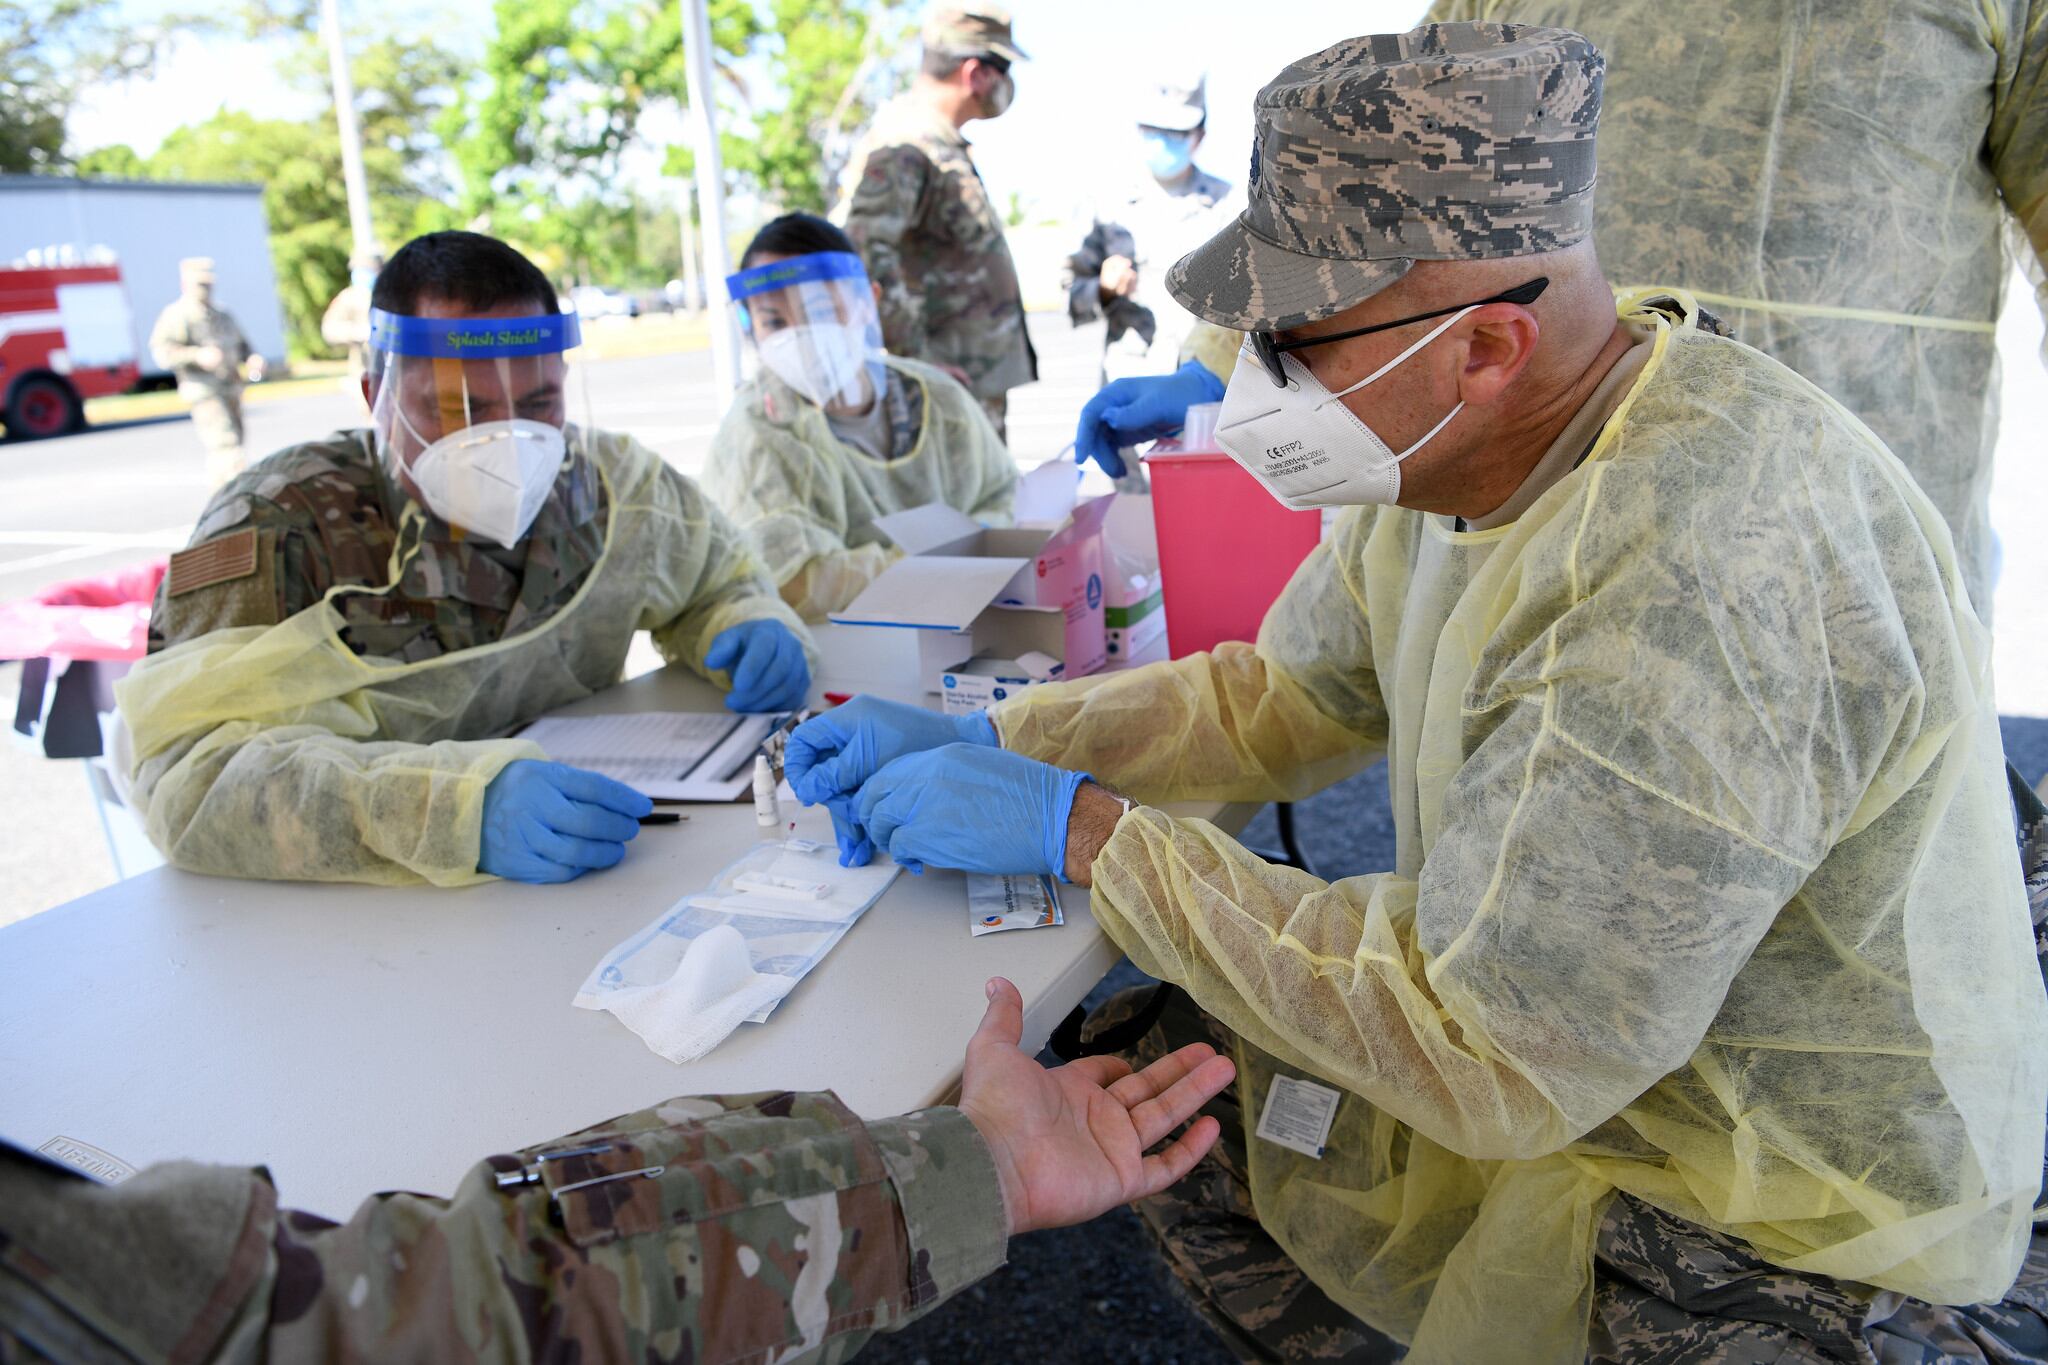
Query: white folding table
[358, 1039]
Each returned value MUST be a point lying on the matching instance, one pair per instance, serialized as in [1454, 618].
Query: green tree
[299, 167]
[566, 84]
[828, 62]
[401, 84]
[118, 162]
[50, 51]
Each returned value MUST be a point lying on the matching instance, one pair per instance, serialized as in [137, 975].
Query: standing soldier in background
[204, 347]
[1153, 219]
[931, 238]
[346, 322]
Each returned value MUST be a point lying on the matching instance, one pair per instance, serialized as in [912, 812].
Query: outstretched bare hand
[1070, 1142]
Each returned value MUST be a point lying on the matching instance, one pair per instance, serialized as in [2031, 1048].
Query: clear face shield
[813, 323]
[471, 414]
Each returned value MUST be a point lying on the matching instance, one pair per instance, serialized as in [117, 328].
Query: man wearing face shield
[833, 433]
[922, 220]
[1119, 274]
[1699, 1018]
[360, 619]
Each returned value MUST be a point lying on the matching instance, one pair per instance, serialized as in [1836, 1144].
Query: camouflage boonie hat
[1448, 142]
[972, 31]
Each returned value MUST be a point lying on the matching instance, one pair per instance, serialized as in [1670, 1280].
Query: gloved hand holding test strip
[729, 954]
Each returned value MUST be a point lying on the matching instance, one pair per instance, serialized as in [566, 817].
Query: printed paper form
[669, 755]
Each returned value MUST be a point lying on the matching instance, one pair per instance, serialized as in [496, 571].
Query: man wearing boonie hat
[928, 233]
[1699, 1018]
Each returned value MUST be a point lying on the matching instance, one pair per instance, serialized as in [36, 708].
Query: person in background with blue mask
[359, 619]
[1118, 276]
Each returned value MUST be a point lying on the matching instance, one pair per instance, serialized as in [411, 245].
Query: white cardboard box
[981, 683]
[1004, 592]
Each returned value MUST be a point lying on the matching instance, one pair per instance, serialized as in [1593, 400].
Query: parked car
[595, 301]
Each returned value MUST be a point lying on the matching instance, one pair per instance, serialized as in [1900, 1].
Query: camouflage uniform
[1863, 252]
[324, 513]
[716, 1258]
[182, 330]
[1228, 1268]
[1666, 1293]
[934, 243]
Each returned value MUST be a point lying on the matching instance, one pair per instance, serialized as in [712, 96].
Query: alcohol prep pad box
[996, 592]
[981, 683]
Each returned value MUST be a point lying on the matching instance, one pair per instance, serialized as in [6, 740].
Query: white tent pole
[703, 116]
[693, 289]
[363, 235]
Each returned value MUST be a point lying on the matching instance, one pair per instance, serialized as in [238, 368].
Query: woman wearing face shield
[832, 432]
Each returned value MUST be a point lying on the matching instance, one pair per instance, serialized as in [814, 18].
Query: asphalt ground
[127, 491]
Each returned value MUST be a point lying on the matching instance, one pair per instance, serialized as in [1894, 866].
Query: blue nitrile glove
[829, 756]
[769, 670]
[549, 822]
[970, 807]
[1141, 408]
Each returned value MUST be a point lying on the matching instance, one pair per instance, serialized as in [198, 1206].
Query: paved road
[111, 496]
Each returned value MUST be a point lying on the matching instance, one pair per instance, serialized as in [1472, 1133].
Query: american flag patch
[221, 560]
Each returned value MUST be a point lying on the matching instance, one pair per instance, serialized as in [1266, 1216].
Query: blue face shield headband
[818, 267]
[473, 338]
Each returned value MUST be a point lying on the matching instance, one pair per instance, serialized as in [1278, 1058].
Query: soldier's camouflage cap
[971, 31]
[1448, 142]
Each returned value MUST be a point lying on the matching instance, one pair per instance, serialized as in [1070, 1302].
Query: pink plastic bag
[104, 618]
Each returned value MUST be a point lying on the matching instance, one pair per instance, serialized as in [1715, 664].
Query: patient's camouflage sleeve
[726, 1228]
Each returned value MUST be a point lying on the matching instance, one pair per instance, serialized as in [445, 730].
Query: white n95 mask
[490, 479]
[1303, 444]
[820, 360]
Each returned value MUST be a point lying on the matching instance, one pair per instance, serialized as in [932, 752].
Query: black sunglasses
[1001, 64]
[1269, 351]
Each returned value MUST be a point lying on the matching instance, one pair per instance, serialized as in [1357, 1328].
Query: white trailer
[150, 226]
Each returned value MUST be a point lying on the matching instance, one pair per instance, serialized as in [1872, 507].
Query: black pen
[664, 817]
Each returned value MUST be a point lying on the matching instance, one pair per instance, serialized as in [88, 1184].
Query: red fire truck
[66, 335]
